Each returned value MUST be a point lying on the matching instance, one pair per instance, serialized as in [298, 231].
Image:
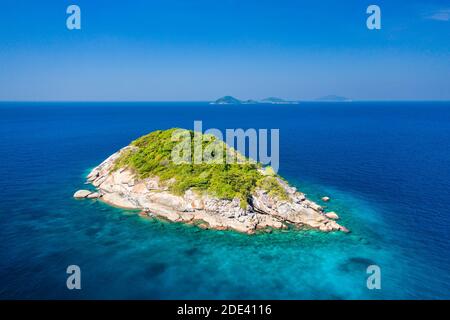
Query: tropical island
[270, 100]
[243, 196]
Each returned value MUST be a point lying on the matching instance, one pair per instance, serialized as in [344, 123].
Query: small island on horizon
[269, 100]
[274, 100]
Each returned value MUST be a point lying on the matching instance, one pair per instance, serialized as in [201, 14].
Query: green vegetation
[224, 180]
[273, 187]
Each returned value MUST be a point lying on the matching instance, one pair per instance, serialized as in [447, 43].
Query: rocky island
[227, 100]
[270, 100]
[242, 196]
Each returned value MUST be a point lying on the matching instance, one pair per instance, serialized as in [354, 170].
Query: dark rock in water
[359, 260]
[363, 241]
[191, 251]
[92, 231]
[267, 257]
[356, 264]
[156, 269]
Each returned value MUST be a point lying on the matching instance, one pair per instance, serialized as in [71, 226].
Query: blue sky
[203, 49]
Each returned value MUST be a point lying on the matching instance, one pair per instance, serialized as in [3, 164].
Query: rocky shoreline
[123, 188]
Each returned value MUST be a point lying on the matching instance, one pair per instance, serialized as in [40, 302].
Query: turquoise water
[384, 165]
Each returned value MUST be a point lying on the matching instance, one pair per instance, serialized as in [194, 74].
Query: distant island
[275, 100]
[227, 100]
[244, 197]
[333, 98]
[233, 100]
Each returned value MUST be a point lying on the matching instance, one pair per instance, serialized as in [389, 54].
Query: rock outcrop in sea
[121, 181]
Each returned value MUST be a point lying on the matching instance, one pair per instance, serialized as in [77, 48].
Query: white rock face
[82, 194]
[93, 195]
[332, 215]
[124, 189]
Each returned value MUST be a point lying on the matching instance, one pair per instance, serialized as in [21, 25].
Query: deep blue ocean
[385, 165]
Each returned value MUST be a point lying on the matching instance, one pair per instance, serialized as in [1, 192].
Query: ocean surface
[385, 166]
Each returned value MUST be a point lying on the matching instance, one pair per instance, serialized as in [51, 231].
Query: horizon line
[207, 101]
